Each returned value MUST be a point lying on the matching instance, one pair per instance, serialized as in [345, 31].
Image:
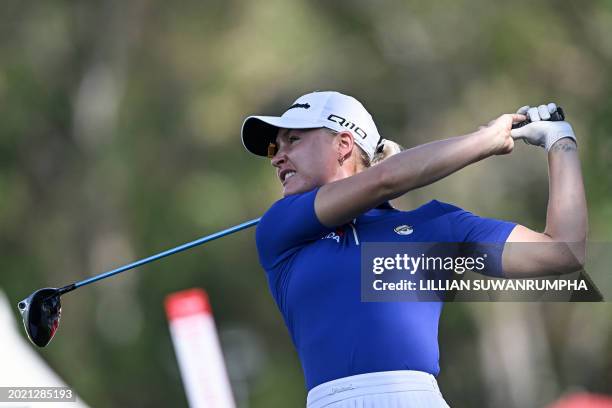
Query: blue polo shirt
[314, 275]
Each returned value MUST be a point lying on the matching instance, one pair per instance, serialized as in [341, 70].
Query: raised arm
[561, 247]
[339, 202]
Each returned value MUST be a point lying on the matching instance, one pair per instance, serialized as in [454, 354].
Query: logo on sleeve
[403, 229]
[336, 236]
[332, 235]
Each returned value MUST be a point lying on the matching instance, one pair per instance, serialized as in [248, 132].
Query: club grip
[556, 116]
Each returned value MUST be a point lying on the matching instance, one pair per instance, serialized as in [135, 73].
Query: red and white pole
[198, 351]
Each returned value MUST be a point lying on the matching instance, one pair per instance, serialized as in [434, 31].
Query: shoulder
[445, 208]
[435, 208]
[294, 205]
[290, 222]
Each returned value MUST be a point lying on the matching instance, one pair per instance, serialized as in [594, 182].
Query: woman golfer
[324, 148]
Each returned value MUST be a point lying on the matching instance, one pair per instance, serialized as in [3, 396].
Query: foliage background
[119, 137]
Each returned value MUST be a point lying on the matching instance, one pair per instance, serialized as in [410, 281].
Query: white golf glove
[541, 131]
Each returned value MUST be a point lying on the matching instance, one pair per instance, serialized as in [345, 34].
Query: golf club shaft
[155, 257]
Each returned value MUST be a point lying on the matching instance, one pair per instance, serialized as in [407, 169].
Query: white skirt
[385, 389]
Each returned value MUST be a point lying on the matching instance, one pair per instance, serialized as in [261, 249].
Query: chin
[296, 188]
[291, 191]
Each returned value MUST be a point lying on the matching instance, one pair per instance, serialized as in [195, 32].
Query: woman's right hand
[496, 137]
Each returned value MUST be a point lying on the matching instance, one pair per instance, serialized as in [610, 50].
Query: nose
[279, 159]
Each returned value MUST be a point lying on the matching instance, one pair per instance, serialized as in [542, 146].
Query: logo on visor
[300, 105]
[348, 124]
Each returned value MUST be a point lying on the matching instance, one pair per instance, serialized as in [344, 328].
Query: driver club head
[41, 312]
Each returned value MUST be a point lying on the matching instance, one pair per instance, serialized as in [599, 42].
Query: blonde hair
[385, 149]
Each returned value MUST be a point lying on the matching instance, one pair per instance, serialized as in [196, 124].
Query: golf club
[556, 116]
[41, 310]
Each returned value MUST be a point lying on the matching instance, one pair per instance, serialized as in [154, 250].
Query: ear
[345, 143]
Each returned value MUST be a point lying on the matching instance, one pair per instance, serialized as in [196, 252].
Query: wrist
[557, 132]
[564, 144]
[483, 143]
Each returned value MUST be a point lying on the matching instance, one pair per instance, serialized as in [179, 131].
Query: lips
[285, 175]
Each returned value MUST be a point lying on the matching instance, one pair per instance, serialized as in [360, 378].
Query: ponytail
[385, 149]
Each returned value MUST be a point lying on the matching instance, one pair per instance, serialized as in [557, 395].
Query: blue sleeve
[488, 235]
[289, 224]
